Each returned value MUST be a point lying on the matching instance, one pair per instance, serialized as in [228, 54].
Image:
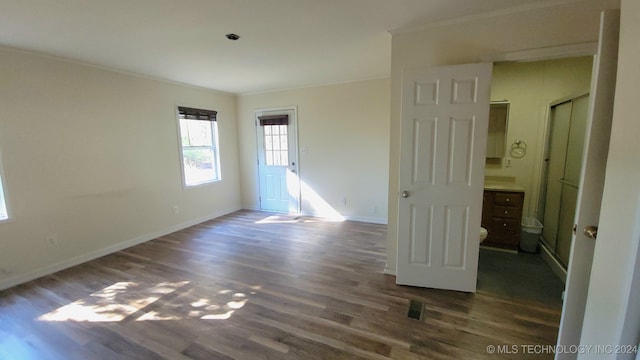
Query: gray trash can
[531, 230]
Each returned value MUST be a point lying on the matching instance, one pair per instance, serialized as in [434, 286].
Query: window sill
[191, 186]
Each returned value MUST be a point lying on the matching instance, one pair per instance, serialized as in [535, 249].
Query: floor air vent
[415, 310]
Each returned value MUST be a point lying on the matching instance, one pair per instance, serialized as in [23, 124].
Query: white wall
[471, 41]
[344, 129]
[91, 156]
[530, 87]
[613, 303]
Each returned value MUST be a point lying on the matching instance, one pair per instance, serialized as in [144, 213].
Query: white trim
[546, 53]
[4, 192]
[77, 260]
[113, 69]
[310, 86]
[484, 15]
[569, 98]
[367, 219]
[281, 108]
[295, 133]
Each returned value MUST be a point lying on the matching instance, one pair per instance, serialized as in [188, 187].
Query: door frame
[294, 134]
[559, 52]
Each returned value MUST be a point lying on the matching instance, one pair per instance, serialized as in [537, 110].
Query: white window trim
[215, 147]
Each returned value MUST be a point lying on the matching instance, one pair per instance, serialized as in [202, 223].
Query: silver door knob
[591, 232]
[405, 194]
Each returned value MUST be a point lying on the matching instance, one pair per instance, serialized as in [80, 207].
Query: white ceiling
[283, 44]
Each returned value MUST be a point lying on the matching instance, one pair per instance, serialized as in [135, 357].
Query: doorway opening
[528, 88]
[277, 139]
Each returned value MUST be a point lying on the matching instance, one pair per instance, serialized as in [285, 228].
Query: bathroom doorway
[528, 88]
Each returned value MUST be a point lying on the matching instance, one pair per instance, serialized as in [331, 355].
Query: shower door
[564, 161]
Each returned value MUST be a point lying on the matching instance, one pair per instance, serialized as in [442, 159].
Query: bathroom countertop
[502, 186]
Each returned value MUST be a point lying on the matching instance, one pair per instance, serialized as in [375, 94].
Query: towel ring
[518, 149]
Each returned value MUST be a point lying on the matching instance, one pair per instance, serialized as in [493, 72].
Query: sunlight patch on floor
[322, 211]
[124, 299]
[112, 303]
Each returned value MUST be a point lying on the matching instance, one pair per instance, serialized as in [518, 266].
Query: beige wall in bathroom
[530, 87]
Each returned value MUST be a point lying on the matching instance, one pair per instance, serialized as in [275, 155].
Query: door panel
[424, 152]
[456, 236]
[421, 229]
[444, 131]
[598, 133]
[460, 151]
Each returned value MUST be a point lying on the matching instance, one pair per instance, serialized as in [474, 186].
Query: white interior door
[278, 160]
[591, 185]
[445, 113]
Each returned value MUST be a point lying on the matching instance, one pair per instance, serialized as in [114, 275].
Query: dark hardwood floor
[254, 285]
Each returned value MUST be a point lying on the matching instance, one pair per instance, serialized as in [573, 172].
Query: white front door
[445, 112]
[594, 161]
[278, 160]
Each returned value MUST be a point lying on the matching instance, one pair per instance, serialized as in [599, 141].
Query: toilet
[483, 234]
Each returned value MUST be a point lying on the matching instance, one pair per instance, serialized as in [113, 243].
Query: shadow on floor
[524, 277]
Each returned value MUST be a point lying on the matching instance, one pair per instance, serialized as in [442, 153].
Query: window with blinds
[199, 146]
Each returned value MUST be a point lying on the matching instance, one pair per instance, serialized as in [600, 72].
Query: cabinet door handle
[505, 225]
[506, 211]
[507, 200]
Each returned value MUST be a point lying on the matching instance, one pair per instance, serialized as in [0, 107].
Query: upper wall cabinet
[496, 140]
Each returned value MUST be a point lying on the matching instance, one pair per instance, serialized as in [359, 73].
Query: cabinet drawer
[507, 212]
[508, 199]
[506, 225]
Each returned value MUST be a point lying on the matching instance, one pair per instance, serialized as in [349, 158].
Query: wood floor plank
[256, 285]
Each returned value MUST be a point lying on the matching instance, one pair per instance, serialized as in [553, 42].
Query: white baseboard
[367, 219]
[553, 263]
[77, 260]
[389, 270]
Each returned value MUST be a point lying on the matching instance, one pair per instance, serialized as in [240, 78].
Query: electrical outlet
[176, 210]
[343, 201]
[51, 240]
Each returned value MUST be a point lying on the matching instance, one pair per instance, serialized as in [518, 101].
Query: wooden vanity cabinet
[501, 216]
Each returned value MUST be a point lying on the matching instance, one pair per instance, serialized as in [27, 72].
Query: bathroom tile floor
[519, 276]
